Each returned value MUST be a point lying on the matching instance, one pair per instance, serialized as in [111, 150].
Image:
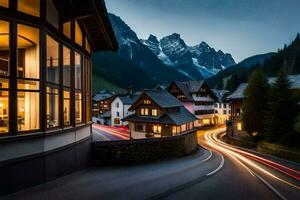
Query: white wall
[123, 112]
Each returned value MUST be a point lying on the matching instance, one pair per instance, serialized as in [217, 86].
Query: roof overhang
[93, 18]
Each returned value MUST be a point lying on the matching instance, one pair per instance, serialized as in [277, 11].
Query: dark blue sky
[240, 27]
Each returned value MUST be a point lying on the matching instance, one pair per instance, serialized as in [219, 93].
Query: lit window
[154, 112]
[4, 3]
[178, 129]
[28, 52]
[156, 129]
[78, 68]
[147, 101]
[28, 111]
[67, 29]
[28, 84]
[52, 106]
[4, 48]
[67, 108]
[52, 14]
[87, 45]
[67, 66]
[78, 34]
[78, 107]
[174, 130]
[4, 105]
[239, 126]
[183, 127]
[206, 121]
[144, 111]
[31, 7]
[52, 60]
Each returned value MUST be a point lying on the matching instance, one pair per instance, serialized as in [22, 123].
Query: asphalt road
[106, 133]
[221, 172]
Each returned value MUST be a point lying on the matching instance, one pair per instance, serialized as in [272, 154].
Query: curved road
[220, 172]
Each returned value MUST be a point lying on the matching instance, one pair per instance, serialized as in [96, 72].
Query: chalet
[45, 95]
[197, 98]
[120, 109]
[222, 107]
[101, 102]
[236, 101]
[158, 114]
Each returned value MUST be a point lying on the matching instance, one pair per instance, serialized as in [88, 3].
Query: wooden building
[158, 114]
[198, 98]
[45, 93]
[101, 102]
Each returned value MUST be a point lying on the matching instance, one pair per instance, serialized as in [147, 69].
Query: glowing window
[67, 66]
[174, 130]
[183, 127]
[52, 106]
[87, 45]
[144, 111]
[78, 34]
[154, 112]
[31, 7]
[78, 71]
[239, 126]
[4, 48]
[4, 108]
[67, 29]
[146, 101]
[78, 107]
[67, 108]
[52, 60]
[4, 3]
[28, 57]
[156, 129]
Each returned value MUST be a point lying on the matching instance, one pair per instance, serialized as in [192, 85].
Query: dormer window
[147, 102]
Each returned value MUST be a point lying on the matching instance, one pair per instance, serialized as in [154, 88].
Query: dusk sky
[240, 27]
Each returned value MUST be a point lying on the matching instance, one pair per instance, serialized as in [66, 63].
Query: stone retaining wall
[144, 150]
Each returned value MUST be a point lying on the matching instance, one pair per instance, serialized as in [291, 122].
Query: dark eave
[93, 18]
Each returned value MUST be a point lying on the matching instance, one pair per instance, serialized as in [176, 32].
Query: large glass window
[4, 3]
[4, 48]
[78, 71]
[78, 34]
[28, 52]
[31, 7]
[28, 110]
[52, 60]
[4, 105]
[28, 106]
[67, 29]
[78, 107]
[67, 66]
[67, 107]
[52, 106]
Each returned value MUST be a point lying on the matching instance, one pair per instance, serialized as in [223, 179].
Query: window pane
[4, 83]
[28, 111]
[78, 107]
[28, 52]
[52, 14]
[28, 85]
[78, 67]
[4, 3]
[67, 66]
[52, 60]
[31, 7]
[52, 106]
[4, 105]
[78, 34]
[87, 45]
[67, 108]
[67, 29]
[4, 48]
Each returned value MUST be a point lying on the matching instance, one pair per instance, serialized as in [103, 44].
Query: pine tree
[255, 102]
[282, 110]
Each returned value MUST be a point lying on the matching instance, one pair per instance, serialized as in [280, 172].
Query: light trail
[244, 160]
[112, 131]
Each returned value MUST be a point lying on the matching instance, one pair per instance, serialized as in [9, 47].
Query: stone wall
[144, 150]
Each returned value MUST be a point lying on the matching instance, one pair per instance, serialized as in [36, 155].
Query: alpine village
[88, 110]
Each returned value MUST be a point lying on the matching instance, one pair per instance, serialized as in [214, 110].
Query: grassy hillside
[101, 84]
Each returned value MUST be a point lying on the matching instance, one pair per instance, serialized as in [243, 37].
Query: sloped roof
[180, 117]
[220, 94]
[102, 96]
[163, 98]
[128, 100]
[239, 92]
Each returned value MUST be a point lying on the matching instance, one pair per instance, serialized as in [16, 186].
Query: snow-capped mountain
[203, 59]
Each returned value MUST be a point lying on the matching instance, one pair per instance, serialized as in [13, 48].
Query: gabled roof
[101, 96]
[182, 116]
[127, 99]
[161, 98]
[92, 16]
[190, 87]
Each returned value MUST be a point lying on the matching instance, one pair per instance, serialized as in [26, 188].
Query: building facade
[45, 93]
[197, 97]
[120, 109]
[158, 114]
[222, 107]
[101, 103]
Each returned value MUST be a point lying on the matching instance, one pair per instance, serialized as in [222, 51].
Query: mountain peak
[204, 44]
[153, 38]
